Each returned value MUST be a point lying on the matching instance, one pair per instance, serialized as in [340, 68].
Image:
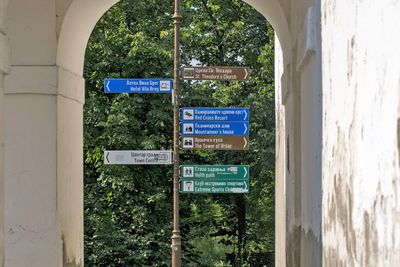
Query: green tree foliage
[128, 209]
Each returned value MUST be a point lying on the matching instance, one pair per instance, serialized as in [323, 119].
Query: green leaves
[127, 212]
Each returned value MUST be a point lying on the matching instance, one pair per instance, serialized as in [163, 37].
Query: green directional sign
[215, 178]
[215, 171]
[215, 186]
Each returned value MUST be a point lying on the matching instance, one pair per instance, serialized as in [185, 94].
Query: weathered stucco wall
[280, 167]
[308, 65]
[5, 62]
[361, 136]
[43, 101]
[301, 96]
[70, 172]
[298, 81]
[30, 136]
[1, 174]
[74, 31]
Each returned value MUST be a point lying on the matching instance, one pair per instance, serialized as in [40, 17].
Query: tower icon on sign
[188, 142]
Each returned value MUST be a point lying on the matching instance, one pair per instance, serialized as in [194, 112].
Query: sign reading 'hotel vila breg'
[138, 85]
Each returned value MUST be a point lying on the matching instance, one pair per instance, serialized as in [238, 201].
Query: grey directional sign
[138, 157]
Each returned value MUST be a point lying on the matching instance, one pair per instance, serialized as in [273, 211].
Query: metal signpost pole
[176, 237]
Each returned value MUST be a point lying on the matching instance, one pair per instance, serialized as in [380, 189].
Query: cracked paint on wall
[361, 94]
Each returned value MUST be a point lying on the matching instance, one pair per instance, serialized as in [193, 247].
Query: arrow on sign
[108, 88]
[245, 76]
[138, 157]
[245, 116]
[245, 185]
[245, 128]
[245, 142]
[245, 172]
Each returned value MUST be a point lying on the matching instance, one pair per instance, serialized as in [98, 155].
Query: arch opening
[81, 19]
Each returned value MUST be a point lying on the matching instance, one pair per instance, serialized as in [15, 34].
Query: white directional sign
[138, 157]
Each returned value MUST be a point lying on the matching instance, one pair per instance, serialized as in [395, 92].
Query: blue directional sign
[215, 128]
[138, 85]
[215, 114]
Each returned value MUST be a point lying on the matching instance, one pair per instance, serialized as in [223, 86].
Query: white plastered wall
[308, 67]
[5, 62]
[361, 133]
[276, 14]
[298, 81]
[43, 102]
[30, 136]
[75, 29]
[280, 163]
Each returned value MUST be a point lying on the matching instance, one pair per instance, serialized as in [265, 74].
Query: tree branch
[217, 33]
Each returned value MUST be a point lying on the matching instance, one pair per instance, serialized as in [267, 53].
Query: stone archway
[68, 45]
[75, 30]
[43, 99]
[41, 96]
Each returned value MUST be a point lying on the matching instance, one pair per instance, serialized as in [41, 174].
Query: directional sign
[215, 178]
[138, 157]
[215, 128]
[223, 142]
[138, 85]
[215, 186]
[216, 73]
[215, 172]
[215, 114]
